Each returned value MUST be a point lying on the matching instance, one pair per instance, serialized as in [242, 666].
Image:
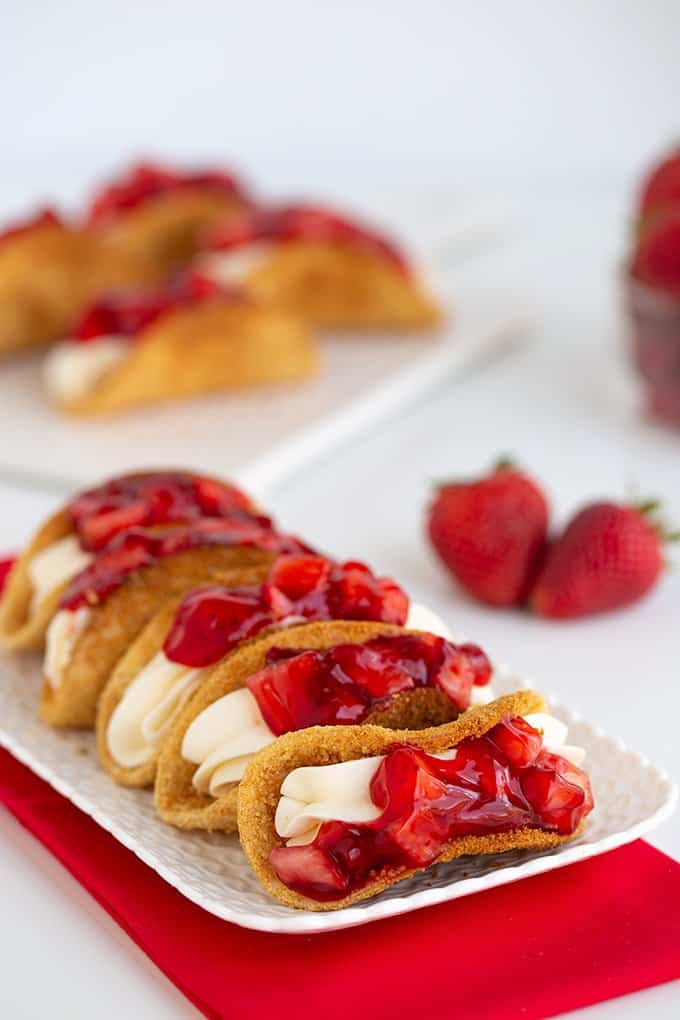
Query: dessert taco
[319, 266]
[154, 212]
[191, 637]
[331, 816]
[69, 540]
[188, 338]
[106, 606]
[48, 271]
[324, 673]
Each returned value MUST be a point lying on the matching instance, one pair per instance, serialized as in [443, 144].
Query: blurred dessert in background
[155, 212]
[191, 337]
[330, 270]
[49, 269]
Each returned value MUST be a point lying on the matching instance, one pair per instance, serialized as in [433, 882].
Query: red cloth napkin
[552, 943]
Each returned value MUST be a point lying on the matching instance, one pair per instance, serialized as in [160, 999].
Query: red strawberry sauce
[139, 547]
[43, 218]
[149, 180]
[128, 313]
[300, 688]
[142, 500]
[497, 783]
[210, 621]
[301, 223]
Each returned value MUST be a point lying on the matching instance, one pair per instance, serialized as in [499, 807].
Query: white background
[544, 112]
[305, 91]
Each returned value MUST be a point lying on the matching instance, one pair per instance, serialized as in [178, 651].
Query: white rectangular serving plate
[261, 435]
[632, 797]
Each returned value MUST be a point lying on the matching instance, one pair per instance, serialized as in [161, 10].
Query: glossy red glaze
[497, 783]
[162, 497]
[211, 621]
[301, 223]
[149, 180]
[43, 218]
[128, 313]
[300, 688]
[139, 547]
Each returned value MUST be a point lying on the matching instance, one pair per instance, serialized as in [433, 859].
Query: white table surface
[566, 408]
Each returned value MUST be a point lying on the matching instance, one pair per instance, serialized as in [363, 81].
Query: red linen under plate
[571, 937]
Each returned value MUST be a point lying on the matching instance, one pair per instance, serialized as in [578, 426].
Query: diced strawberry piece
[297, 577]
[520, 743]
[555, 800]
[209, 622]
[478, 663]
[282, 691]
[97, 531]
[310, 870]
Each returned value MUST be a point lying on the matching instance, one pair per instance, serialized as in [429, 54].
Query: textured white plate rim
[305, 922]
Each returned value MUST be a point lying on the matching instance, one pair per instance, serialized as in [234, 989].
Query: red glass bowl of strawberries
[653, 291]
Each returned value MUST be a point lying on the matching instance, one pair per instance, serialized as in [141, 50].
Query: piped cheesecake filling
[211, 621]
[345, 824]
[248, 239]
[341, 686]
[148, 708]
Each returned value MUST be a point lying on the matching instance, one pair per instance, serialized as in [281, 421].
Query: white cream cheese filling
[223, 739]
[148, 708]
[64, 630]
[73, 369]
[315, 794]
[233, 267]
[54, 565]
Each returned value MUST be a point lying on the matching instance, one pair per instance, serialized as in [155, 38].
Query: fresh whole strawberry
[491, 533]
[608, 556]
[656, 261]
[661, 189]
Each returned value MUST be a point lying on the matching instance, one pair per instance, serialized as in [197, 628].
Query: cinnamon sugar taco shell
[36, 583]
[260, 790]
[48, 271]
[220, 344]
[320, 267]
[180, 803]
[155, 213]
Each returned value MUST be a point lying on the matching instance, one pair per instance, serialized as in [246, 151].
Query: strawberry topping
[656, 261]
[128, 313]
[149, 180]
[489, 786]
[139, 547]
[44, 218]
[211, 621]
[300, 688]
[301, 223]
[162, 497]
